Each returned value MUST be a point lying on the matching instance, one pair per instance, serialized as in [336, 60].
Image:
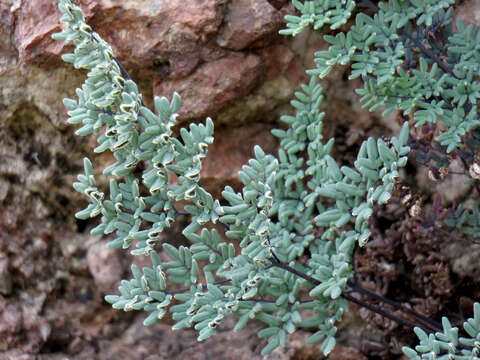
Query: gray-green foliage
[465, 220]
[334, 13]
[403, 66]
[285, 201]
[447, 345]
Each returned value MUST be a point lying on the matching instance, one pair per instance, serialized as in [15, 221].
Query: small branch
[421, 318]
[124, 71]
[385, 314]
[435, 58]
[179, 213]
[355, 280]
[276, 262]
[122, 68]
[348, 297]
[226, 226]
[369, 4]
[259, 300]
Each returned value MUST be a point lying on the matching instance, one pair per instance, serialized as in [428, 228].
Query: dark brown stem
[276, 262]
[122, 68]
[435, 326]
[385, 314]
[369, 4]
[435, 58]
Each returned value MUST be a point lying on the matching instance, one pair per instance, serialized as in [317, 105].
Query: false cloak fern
[409, 58]
[448, 344]
[271, 219]
[318, 13]
[300, 203]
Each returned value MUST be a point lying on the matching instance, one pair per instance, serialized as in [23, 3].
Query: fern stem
[179, 213]
[276, 262]
[420, 317]
[385, 314]
[369, 4]
[122, 68]
[432, 56]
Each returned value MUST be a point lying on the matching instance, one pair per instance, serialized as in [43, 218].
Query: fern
[285, 201]
[447, 344]
[383, 49]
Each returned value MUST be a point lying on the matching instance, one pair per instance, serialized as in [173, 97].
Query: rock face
[248, 21]
[213, 85]
[35, 21]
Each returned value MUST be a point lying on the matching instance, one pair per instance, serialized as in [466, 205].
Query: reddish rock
[278, 4]
[177, 44]
[149, 32]
[468, 12]
[37, 19]
[213, 85]
[231, 149]
[167, 35]
[247, 21]
[104, 265]
[268, 102]
[277, 60]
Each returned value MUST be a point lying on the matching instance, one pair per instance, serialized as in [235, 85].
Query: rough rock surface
[224, 163]
[226, 60]
[248, 21]
[35, 21]
[104, 265]
[214, 84]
